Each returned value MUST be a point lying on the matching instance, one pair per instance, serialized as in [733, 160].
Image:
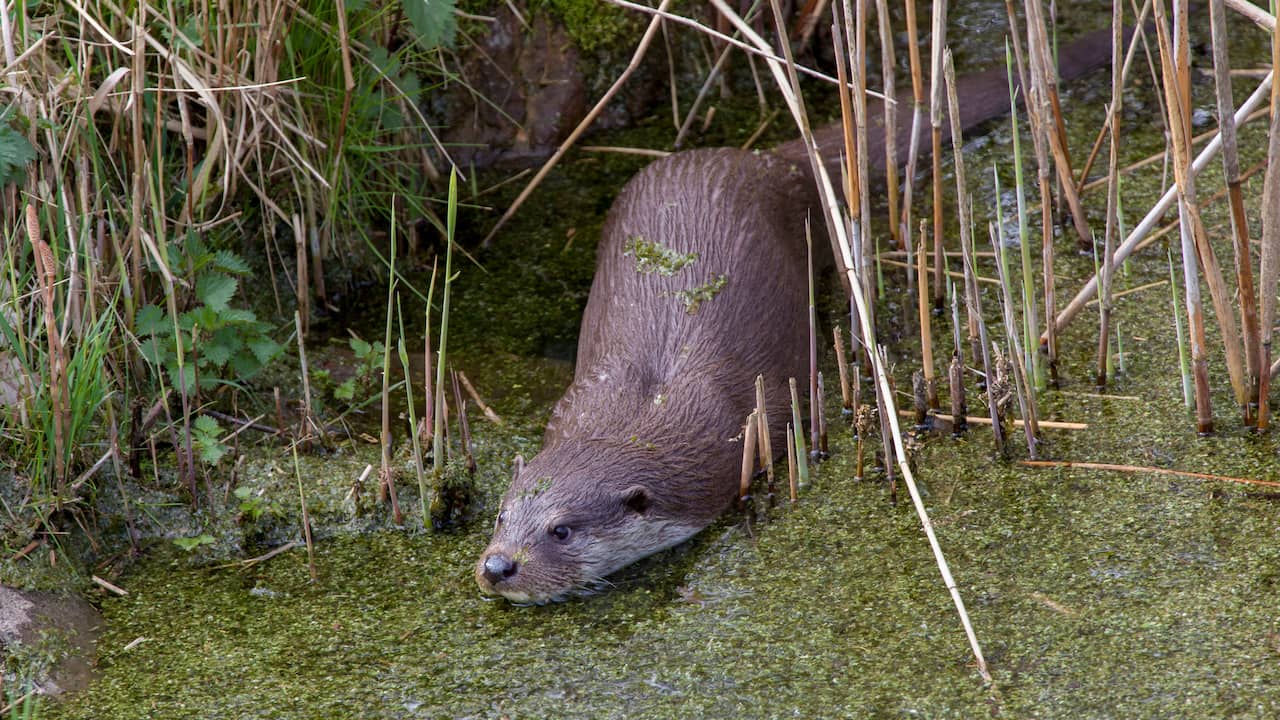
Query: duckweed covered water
[1094, 594]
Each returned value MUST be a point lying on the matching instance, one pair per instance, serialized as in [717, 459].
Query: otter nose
[498, 567]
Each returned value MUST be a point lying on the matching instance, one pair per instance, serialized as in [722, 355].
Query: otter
[701, 285]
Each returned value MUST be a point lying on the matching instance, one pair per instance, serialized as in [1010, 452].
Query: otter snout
[497, 568]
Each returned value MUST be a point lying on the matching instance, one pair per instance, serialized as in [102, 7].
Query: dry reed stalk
[888, 65]
[937, 98]
[1113, 199]
[1270, 263]
[636, 57]
[60, 410]
[744, 483]
[1254, 14]
[464, 428]
[950, 274]
[1239, 222]
[489, 414]
[1048, 114]
[1149, 222]
[917, 122]
[842, 364]
[1136, 469]
[307, 422]
[306, 516]
[387, 473]
[1173, 64]
[955, 376]
[861, 220]
[979, 420]
[977, 328]
[427, 429]
[814, 401]
[852, 180]
[791, 462]
[766, 441]
[926, 328]
[1219, 292]
[1038, 108]
[888, 439]
[822, 419]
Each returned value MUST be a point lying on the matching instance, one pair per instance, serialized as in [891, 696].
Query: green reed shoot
[437, 436]
[1030, 325]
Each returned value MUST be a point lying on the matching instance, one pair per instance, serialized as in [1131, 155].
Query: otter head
[565, 524]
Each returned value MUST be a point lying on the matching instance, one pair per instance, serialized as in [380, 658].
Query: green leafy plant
[220, 342]
[15, 154]
[254, 505]
[433, 21]
[206, 436]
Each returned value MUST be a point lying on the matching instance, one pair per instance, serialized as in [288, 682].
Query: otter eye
[502, 517]
[562, 532]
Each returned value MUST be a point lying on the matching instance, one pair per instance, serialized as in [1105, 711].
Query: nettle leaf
[345, 391]
[216, 290]
[15, 154]
[206, 425]
[244, 365]
[156, 351]
[211, 453]
[205, 317]
[184, 381]
[361, 348]
[264, 349]
[433, 20]
[236, 316]
[151, 320]
[216, 353]
[229, 262]
[228, 337]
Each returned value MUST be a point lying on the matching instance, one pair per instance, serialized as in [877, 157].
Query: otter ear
[636, 499]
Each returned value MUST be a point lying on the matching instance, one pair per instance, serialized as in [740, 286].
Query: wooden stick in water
[791, 462]
[842, 365]
[888, 64]
[748, 457]
[937, 97]
[822, 418]
[1269, 271]
[977, 328]
[1239, 221]
[926, 329]
[917, 122]
[955, 373]
[766, 442]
